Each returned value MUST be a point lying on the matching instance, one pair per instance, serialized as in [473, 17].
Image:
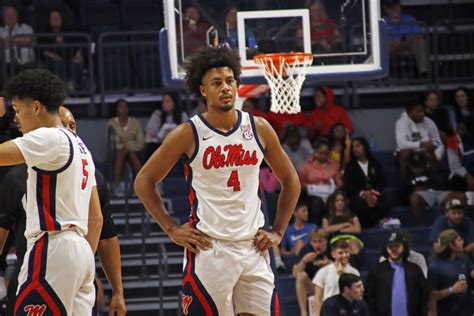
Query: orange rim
[275, 57]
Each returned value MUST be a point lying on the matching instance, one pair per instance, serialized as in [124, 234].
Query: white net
[285, 75]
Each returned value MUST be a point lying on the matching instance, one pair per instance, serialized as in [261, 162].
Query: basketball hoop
[285, 74]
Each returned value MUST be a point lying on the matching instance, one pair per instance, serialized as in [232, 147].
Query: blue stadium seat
[375, 238]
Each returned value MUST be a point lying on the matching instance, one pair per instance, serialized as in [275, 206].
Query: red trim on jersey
[276, 305]
[189, 278]
[46, 200]
[36, 285]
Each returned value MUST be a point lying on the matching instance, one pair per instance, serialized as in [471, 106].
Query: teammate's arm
[109, 253]
[178, 142]
[10, 154]
[94, 224]
[286, 174]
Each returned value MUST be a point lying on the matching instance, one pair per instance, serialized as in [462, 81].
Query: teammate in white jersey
[226, 270]
[57, 278]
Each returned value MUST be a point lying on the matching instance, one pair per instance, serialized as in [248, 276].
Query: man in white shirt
[22, 52]
[327, 278]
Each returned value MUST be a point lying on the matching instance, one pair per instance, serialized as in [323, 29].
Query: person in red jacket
[325, 114]
[280, 121]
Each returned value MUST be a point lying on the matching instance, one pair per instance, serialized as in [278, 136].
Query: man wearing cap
[396, 286]
[454, 218]
[450, 275]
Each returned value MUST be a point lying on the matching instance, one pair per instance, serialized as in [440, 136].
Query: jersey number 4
[85, 173]
[233, 181]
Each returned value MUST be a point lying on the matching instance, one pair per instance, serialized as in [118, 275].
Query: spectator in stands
[127, 135]
[340, 144]
[415, 132]
[424, 186]
[405, 35]
[296, 235]
[326, 279]
[319, 178]
[312, 257]
[325, 114]
[397, 286]
[194, 30]
[66, 62]
[231, 29]
[454, 218]
[464, 110]
[162, 121]
[280, 121]
[19, 37]
[437, 114]
[450, 275]
[269, 181]
[251, 106]
[349, 301]
[414, 256]
[364, 182]
[339, 218]
[296, 147]
[325, 36]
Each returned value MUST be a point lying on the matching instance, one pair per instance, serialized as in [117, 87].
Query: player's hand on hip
[190, 238]
[117, 305]
[266, 239]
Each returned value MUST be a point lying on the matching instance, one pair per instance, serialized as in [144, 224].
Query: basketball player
[57, 278]
[227, 266]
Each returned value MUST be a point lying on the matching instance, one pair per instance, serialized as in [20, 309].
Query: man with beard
[454, 218]
[396, 286]
[349, 302]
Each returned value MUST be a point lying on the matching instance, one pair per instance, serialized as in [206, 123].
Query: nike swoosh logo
[206, 138]
[297, 237]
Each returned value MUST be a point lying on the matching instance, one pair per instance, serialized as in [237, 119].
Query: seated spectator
[251, 106]
[340, 145]
[454, 218]
[405, 35]
[438, 115]
[364, 182]
[415, 132]
[280, 121]
[356, 248]
[461, 160]
[349, 301]
[194, 31]
[19, 37]
[326, 279]
[424, 187]
[231, 29]
[450, 276]
[66, 62]
[413, 256]
[325, 36]
[127, 135]
[162, 121]
[339, 218]
[319, 178]
[314, 255]
[464, 110]
[325, 114]
[269, 181]
[397, 286]
[296, 147]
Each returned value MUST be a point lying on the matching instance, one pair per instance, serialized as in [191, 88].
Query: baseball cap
[446, 237]
[454, 204]
[396, 237]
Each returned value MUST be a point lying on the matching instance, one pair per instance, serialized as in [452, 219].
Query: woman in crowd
[340, 145]
[339, 218]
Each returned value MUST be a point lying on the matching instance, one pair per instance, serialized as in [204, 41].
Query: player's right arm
[178, 142]
[10, 154]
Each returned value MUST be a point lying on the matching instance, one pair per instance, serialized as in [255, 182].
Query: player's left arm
[109, 253]
[286, 174]
[10, 154]
[94, 224]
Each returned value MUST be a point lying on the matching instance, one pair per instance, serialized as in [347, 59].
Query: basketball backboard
[344, 36]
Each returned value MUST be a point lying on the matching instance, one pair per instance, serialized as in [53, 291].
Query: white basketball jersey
[61, 175]
[223, 179]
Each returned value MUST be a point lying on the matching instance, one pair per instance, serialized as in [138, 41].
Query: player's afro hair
[207, 58]
[40, 85]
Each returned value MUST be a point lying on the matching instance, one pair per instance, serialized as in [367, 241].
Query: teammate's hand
[190, 238]
[265, 239]
[117, 305]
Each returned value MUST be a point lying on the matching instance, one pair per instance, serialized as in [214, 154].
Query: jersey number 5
[233, 181]
[85, 173]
